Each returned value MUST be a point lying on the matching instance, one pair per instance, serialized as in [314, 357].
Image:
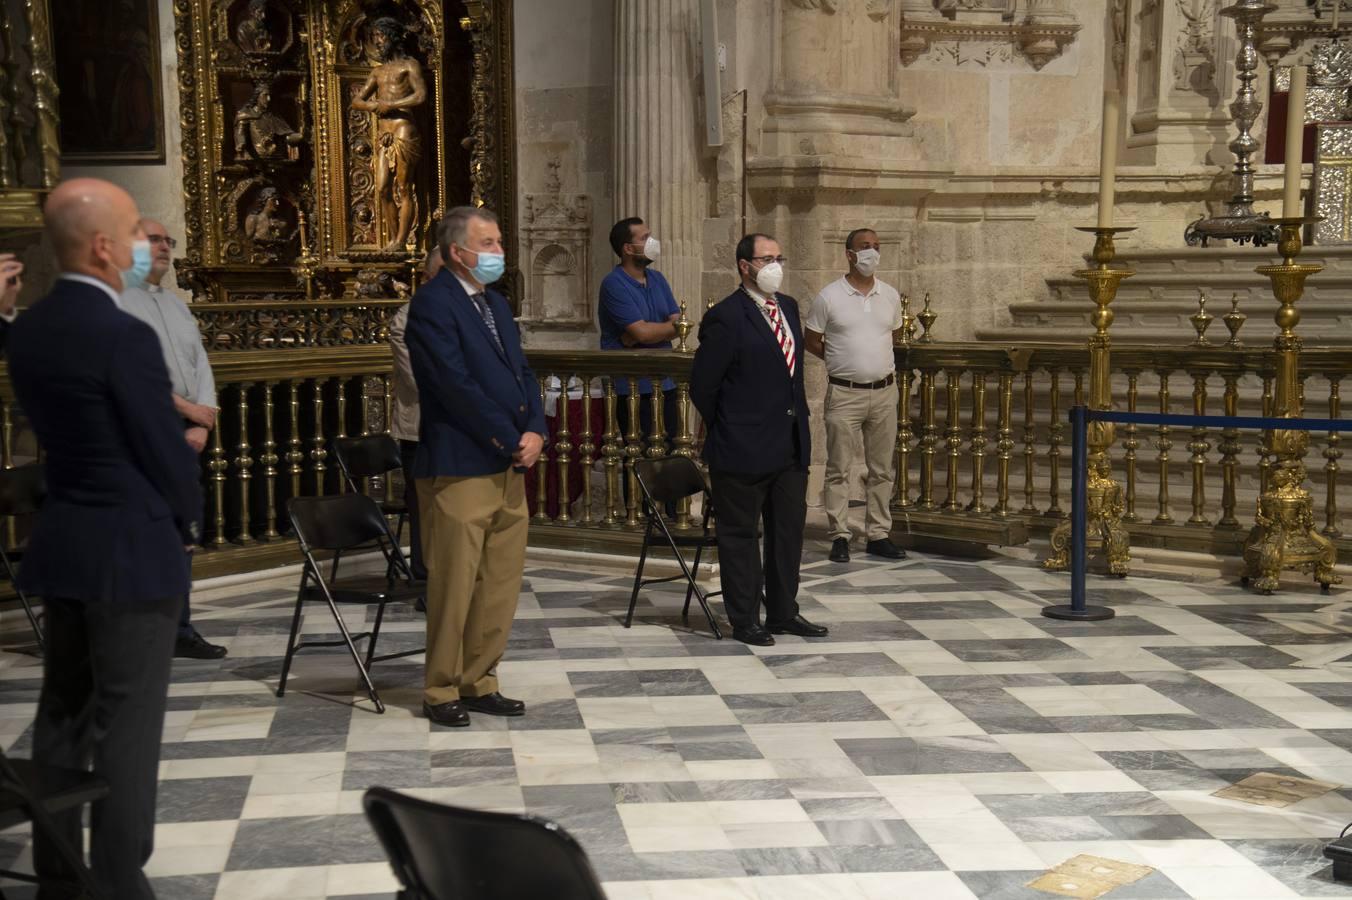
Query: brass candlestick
[307, 263]
[1234, 320]
[1284, 535]
[683, 327]
[926, 317]
[1201, 320]
[1103, 510]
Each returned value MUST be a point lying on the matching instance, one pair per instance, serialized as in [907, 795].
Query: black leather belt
[866, 385]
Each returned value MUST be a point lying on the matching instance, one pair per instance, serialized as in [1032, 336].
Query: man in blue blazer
[107, 552]
[482, 427]
[747, 383]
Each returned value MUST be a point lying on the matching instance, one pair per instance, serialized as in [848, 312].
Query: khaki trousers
[474, 534]
[853, 414]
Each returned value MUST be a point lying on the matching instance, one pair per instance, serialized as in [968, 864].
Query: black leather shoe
[421, 605]
[840, 550]
[195, 646]
[884, 548]
[450, 714]
[753, 634]
[494, 704]
[797, 625]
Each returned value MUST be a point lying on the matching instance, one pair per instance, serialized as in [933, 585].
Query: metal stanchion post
[1078, 610]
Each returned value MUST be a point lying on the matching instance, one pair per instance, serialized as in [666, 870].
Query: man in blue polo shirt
[638, 312]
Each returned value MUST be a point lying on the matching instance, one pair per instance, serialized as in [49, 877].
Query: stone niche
[555, 243]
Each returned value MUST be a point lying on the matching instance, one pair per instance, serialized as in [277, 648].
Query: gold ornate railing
[982, 450]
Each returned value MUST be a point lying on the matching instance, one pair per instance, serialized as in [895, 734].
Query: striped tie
[781, 333]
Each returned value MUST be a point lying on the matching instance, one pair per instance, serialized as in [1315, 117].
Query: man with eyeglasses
[747, 383]
[194, 387]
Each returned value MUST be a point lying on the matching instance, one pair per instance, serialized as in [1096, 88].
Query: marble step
[1155, 304]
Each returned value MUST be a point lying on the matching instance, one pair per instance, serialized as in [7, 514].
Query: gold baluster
[1229, 447]
[953, 437]
[317, 452]
[1029, 447]
[633, 452]
[7, 461]
[542, 468]
[978, 442]
[1332, 453]
[295, 455]
[929, 436]
[217, 466]
[1264, 460]
[269, 459]
[1079, 387]
[586, 452]
[613, 452]
[1054, 432]
[1004, 444]
[243, 465]
[904, 439]
[340, 402]
[684, 442]
[1130, 444]
[1198, 446]
[1162, 514]
[657, 441]
[563, 450]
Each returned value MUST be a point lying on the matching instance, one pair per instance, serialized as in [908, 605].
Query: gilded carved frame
[312, 261]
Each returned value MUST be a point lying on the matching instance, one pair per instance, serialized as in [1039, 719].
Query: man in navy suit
[482, 427]
[747, 383]
[107, 552]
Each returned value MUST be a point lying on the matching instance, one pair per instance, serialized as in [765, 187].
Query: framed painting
[108, 70]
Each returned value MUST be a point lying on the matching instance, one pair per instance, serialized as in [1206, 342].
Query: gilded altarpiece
[321, 143]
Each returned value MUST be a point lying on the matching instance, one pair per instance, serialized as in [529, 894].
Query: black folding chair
[441, 852]
[664, 481]
[22, 490]
[30, 792]
[371, 456]
[338, 523]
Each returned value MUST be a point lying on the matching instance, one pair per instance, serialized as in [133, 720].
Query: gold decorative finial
[907, 320]
[683, 327]
[926, 317]
[1201, 320]
[1234, 320]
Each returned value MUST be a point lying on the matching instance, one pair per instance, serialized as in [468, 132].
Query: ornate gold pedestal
[1284, 535]
[1103, 509]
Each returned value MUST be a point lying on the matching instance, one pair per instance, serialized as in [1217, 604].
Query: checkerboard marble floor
[945, 741]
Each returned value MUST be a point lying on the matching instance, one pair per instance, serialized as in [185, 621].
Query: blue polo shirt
[625, 301]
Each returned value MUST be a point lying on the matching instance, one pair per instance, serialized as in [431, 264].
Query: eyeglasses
[162, 239]
[766, 260]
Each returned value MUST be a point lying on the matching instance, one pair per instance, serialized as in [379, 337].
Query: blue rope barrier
[1262, 422]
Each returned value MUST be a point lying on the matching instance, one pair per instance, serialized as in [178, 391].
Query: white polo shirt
[857, 329]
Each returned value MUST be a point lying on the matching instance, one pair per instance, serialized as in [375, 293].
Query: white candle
[1337, 5]
[1108, 158]
[1295, 142]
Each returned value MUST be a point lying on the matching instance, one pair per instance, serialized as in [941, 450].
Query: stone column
[658, 136]
[1177, 103]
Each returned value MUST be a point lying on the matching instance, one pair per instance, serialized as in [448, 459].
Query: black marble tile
[1015, 650]
[790, 861]
[847, 664]
[929, 756]
[201, 799]
[954, 609]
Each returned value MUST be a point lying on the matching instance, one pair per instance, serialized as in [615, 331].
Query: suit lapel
[761, 325]
[459, 295]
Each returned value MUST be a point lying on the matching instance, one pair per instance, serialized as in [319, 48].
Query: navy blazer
[123, 496]
[477, 400]
[740, 384]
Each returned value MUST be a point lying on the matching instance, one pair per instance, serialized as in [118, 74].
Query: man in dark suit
[107, 552]
[482, 426]
[747, 383]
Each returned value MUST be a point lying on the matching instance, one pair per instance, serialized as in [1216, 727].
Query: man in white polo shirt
[851, 327]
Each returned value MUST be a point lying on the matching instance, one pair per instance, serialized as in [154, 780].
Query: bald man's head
[92, 224]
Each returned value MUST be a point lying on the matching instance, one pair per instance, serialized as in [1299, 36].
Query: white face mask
[866, 262]
[769, 278]
[652, 249]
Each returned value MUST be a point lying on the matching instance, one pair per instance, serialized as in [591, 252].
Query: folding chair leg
[356, 656]
[23, 601]
[638, 575]
[291, 642]
[690, 586]
[375, 633]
